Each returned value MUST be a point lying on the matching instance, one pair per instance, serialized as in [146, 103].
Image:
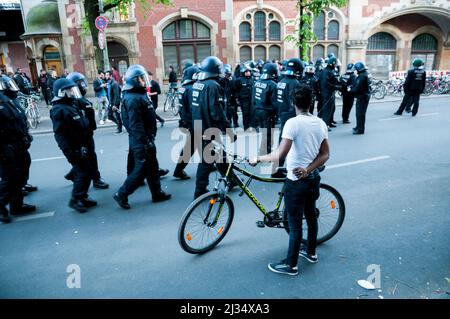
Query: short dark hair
[149, 72]
[303, 94]
[108, 71]
[100, 72]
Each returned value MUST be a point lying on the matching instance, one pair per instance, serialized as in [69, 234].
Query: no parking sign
[101, 23]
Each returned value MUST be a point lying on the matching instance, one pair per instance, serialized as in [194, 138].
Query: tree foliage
[304, 34]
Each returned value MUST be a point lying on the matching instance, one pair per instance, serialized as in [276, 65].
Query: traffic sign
[101, 23]
[101, 40]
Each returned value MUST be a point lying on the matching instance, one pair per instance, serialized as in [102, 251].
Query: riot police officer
[244, 87]
[139, 119]
[264, 108]
[184, 93]
[285, 99]
[228, 84]
[310, 80]
[361, 91]
[347, 80]
[71, 128]
[14, 143]
[87, 109]
[207, 108]
[413, 87]
[329, 83]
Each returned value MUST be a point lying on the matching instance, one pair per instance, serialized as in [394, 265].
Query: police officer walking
[185, 94]
[264, 108]
[285, 99]
[71, 128]
[310, 80]
[329, 83]
[14, 143]
[413, 87]
[139, 119]
[361, 90]
[244, 87]
[347, 80]
[86, 107]
[207, 107]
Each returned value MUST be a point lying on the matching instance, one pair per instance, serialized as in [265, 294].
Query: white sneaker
[108, 121]
[101, 122]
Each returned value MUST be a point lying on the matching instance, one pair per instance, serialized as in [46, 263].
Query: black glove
[84, 152]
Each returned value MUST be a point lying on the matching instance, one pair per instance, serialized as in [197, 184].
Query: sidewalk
[46, 125]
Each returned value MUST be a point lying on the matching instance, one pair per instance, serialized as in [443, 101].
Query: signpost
[101, 40]
[101, 23]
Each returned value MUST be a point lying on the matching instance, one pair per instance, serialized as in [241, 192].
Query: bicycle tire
[185, 236]
[32, 117]
[166, 102]
[175, 108]
[339, 206]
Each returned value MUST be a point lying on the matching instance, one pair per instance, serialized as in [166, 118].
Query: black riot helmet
[350, 67]
[294, 67]
[8, 84]
[80, 80]
[227, 69]
[360, 67]
[211, 67]
[269, 71]
[136, 77]
[190, 75]
[65, 89]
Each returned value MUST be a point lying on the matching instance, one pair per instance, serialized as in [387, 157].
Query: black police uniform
[72, 135]
[285, 99]
[139, 119]
[347, 80]
[244, 88]
[310, 80]
[264, 109]
[413, 87]
[207, 107]
[229, 99]
[361, 90]
[329, 83]
[14, 143]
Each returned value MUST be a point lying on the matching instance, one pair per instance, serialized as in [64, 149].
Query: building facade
[386, 34]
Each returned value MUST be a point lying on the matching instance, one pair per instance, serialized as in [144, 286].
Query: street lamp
[105, 49]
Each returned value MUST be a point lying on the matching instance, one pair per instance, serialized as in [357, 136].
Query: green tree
[92, 10]
[304, 23]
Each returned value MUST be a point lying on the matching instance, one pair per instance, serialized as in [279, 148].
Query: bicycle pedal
[260, 224]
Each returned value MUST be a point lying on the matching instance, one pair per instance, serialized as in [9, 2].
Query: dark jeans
[115, 117]
[347, 104]
[246, 112]
[300, 200]
[361, 109]
[408, 100]
[142, 164]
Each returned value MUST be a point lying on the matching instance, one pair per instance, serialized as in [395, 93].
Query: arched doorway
[425, 47]
[118, 56]
[52, 59]
[381, 53]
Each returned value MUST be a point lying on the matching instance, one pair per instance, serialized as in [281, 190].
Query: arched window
[185, 41]
[274, 31]
[333, 30]
[260, 26]
[319, 26]
[333, 48]
[380, 55]
[274, 53]
[260, 53]
[425, 47]
[260, 36]
[245, 53]
[245, 33]
[318, 52]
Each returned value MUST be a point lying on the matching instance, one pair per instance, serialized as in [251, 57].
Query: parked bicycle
[30, 106]
[378, 89]
[208, 218]
[171, 103]
[395, 86]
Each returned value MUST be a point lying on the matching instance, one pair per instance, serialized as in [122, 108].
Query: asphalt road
[395, 181]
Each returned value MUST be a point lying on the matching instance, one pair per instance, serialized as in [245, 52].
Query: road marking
[48, 159]
[33, 216]
[402, 118]
[367, 160]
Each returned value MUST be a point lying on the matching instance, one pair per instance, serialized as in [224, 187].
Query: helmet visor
[12, 85]
[2, 85]
[144, 80]
[72, 92]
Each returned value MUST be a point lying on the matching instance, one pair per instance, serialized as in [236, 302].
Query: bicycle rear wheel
[330, 212]
[205, 223]
[167, 102]
[175, 107]
[32, 117]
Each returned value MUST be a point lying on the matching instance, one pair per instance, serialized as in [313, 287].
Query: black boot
[161, 196]
[89, 202]
[163, 172]
[22, 210]
[123, 202]
[4, 215]
[181, 175]
[78, 205]
[69, 176]
[100, 183]
[30, 188]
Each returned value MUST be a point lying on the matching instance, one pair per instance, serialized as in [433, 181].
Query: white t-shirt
[307, 133]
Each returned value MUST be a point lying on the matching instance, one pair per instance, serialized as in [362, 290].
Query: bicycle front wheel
[205, 223]
[167, 102]
[32, 117]
[175, 107]
[330, 213]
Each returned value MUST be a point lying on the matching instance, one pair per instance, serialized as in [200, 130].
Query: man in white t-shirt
[305, 145]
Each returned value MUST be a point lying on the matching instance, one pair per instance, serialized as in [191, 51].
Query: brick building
[386, 34]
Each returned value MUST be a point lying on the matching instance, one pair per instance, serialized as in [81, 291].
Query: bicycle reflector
[212, 201]
[220, 230]
[333, 204]
[188, 236]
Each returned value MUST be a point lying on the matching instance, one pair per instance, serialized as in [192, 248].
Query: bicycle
[378, 89]
[29, 104]
[171, 101]
[208, 219]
